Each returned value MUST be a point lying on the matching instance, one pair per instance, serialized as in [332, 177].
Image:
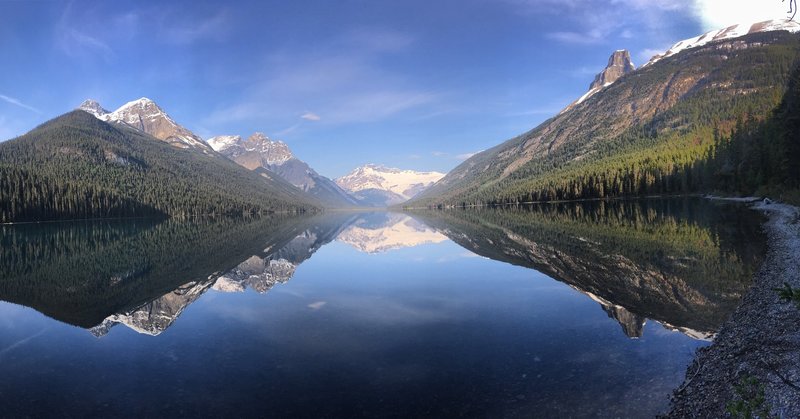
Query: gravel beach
[754, 364]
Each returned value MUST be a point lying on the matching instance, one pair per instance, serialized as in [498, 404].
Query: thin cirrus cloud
[74, 42]
[17, 102]
[597, 22]
[310, 116]
[348, 86]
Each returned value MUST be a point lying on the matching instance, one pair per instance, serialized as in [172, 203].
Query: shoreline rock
[755, 358]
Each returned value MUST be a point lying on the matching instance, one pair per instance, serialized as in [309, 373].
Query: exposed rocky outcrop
[619, 64]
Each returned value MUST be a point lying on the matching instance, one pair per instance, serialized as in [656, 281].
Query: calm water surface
[579, 310]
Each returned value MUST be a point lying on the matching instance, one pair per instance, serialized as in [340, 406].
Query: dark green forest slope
[722, 117]
[76, 166]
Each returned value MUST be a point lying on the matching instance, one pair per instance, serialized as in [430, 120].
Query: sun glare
[720, 13]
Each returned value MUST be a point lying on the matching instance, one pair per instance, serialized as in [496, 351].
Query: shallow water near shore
[580, 310]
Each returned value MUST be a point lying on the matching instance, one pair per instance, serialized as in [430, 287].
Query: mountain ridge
[258, 151]
[146, 116]
[641, 134]
[381, 186]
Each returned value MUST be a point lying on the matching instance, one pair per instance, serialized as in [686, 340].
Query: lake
[563, 310]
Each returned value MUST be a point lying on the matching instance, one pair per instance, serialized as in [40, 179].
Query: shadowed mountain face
[666, 260]
[661, 116]
[97, 273]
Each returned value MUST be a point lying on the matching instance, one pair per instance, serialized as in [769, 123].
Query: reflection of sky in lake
[347, 315]
[425, 330]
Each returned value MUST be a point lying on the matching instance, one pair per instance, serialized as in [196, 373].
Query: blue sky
[407, 83]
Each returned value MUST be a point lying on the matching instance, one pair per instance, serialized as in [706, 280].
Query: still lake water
[573, 310]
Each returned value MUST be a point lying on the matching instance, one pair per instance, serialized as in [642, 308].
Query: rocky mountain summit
[258, 151]
[146, 116]
[619, 64]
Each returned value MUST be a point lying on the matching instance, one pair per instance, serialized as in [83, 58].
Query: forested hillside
[722, 117]
[76, 166]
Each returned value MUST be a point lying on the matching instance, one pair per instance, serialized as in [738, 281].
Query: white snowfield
[405, 183]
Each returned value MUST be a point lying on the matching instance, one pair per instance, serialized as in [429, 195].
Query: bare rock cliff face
[619, 64]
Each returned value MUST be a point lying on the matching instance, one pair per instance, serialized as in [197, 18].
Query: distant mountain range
[659, 129]
[258, 151]
[366, 186]
[138, 161]
[379, 186]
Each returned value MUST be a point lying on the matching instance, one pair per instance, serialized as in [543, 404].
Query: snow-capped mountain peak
[405, 183]
[730, 32]
[272, 152]
[93, 107]
[145, 115]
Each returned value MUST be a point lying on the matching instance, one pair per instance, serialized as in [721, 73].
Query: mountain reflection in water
[682, 263]
[512, 312]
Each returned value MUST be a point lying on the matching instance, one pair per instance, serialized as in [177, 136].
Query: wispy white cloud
[75, 43]
[310, 116]
[287, 130]
[72, 38]
[345, 87]
[17, 102]
[600, 21]
[588, 37]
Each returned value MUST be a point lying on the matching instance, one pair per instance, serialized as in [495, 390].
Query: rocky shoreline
[754, 364]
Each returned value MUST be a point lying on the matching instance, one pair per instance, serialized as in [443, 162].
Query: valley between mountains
[605, 200]
[711, 114]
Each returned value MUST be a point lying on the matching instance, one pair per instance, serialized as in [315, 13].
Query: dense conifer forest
[77, 166]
